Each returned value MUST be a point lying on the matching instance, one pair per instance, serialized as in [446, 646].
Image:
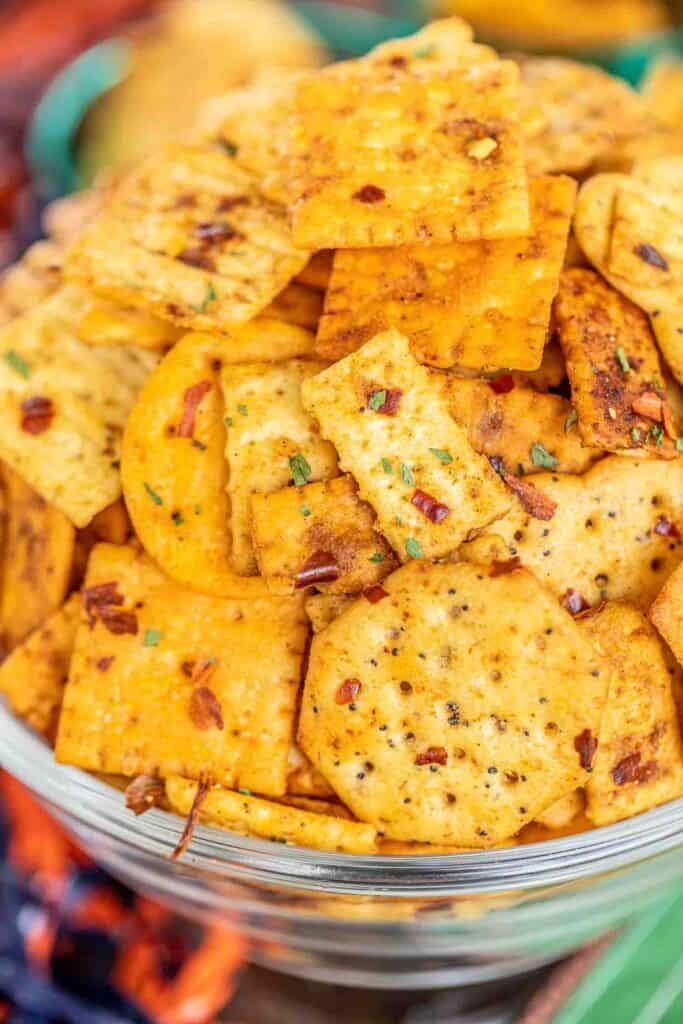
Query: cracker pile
[342, 459]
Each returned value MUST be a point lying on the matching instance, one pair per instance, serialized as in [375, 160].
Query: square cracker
[363, 137]
[167, 680]
[413, 463]
[241, 812]
[510, 425]
[639, 760]
[319, 535]
[70, 454]
[623, 517]
[268, 427]
[33, 677]
[37, 559]
[466, 711]
[188, 236]
[667, 612]
[478, 304]
[612, 361]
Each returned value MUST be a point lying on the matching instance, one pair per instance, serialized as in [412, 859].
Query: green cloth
[639, 980]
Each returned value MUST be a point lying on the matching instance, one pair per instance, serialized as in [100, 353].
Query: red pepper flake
[118, 622]
[385, 400]
[375, 594]
[321, 567]
[143, 793]
[201, 671]
[104, 664]
[348, 691]
[649, 405]
[536, 503]
[370, 194]
[432, 755]
[574, 602]
[503, 384]
[665, 528]
[205, 709]
[38, 414]
[501, 568]
[650, 255]
[100, 596]
[196, 256]
[585, 745]
[191, 401]
[192, 819]
[429, 506]
[630, 769]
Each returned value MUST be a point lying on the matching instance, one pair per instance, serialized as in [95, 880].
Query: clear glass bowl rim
[96, 805]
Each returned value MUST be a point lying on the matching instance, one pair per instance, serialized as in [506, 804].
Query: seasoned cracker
[166, 680]
[320, 535]
[363, 136]
[667, 612]
[99, 321]
[563, 812]
[37, 556]
[413, 463]
[510, 425]
[173, 461]
[478, 305]
[303, 780]
[33, 677]
[316, 273]
[614, 534]
[63, 406]
[639, 760]
[613, 367]
[241, 812]
[271, 441]
[584, 113]
[188, 237]
[467, 715]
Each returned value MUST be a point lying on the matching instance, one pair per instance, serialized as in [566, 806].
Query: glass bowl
[380, 921]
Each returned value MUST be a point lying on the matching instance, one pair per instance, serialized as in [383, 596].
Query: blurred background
[85, 90]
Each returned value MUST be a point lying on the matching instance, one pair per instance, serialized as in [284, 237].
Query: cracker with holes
[320, 535]
[639, 759]
[165, 680]
[362, 136]
[443, 715]
[614, 368]
[250, 815]
[188, 237]
[509, 422]
[624, 517]
[37, 558]
[173, 462]
[628, 229]
[33, 677]
[583, 113]
[272, 441]
[63, 406]
[478, 304]
[667, 612]
[413, 463]
[251, 124]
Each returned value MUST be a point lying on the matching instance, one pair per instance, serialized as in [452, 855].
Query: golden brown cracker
[164, 679]
[467, 718]
[413, 463]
